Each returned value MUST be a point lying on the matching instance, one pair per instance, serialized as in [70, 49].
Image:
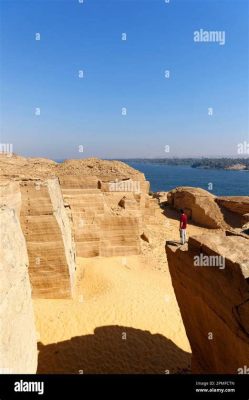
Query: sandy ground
[118, 322]
[123, 318]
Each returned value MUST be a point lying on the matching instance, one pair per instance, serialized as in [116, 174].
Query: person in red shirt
[183, 227]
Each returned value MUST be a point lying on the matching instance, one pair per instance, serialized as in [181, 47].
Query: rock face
[120, 236]
[213, 300]
[18, 345]
[10, 195]
[50, 245]
[236, 204]
[86, 203]
[199, 205]
[103, 225]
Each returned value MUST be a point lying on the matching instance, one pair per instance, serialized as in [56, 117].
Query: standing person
[183, 226]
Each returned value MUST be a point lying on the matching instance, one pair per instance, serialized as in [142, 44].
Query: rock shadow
[232, 219]
[114, 350]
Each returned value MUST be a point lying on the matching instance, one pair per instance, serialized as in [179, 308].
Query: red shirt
[184, 220]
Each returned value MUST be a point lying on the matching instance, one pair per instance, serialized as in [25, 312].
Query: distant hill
[206, 163]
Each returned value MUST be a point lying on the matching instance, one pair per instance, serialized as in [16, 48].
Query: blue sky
[88, 112]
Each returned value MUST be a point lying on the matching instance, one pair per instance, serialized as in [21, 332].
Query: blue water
[167, 177]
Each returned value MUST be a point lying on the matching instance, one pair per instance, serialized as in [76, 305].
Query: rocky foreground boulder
[210, 277]
[236, 209]
[18, 344]
[236, 204]
[199, 205]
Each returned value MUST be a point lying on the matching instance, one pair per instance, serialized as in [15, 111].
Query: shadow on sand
[107, 352]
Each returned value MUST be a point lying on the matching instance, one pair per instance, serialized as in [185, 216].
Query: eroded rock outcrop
[199, 204]
[235, 210]
[210, 279]
[18, 345]
[236, 204]
[48, 235]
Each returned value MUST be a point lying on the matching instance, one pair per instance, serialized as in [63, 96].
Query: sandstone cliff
[47, 230]
[18, 347]
[214, 301]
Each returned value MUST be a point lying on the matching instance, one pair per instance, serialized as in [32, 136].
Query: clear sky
[120, 73]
